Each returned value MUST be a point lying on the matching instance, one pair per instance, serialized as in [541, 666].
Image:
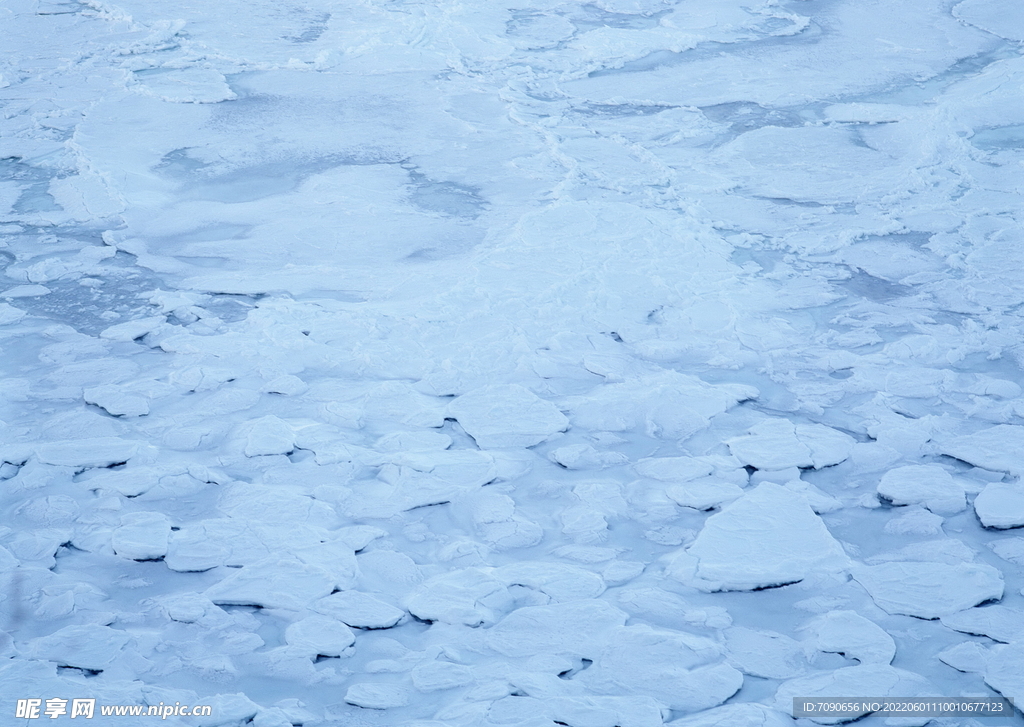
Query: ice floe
[376, 696]
[471, 597]
[998, 622]
[929, 590]
[1004, 669]
[852, 635]
[878, 680]
[742, 714]
[927, 485]
[577, 628]
[1001, 505]
[142, 536]
[275, 582]
[319, 635]
[776, 444]
[769, 537]
[93, 452]
[91, 647]
[764, 654]
[360, 610]
[997, 448]
[507, 416]
[967, 656]
[683, 671]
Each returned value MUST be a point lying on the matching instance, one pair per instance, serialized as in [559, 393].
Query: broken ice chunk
[130, 481]
[877, 680]
[287, 385]
[97, 452]
[996, 448]
[116, 401]
[193, 608]
[37, 546]
[560, 581]
[819, 501]
[319, 635]
[680, 670]
[434, 676]
[495, 521]
[86, 647]
[586, 553]
[142, 536]
[236, 541]
[675, 469]
[1005, 669]
[335, 557]
[764, 654]
[585, 457]
[244, 500]
[49, 510]
[359, 610]
[850, 634]
[929, 590]
[1001, 505]
[703, 494]
[470, 596]
[507, 415]
[231, 708]
[358, 537]
[131, 330]
[376, 696]
[583, 524]
[625, 711]
[418, 479]
[946, 550]
[516, 532]
[272, 717]
[915, 521]
[586, 711]
[668, 405]
[414, 441]
[25, 291]
[269, 435]
[969, 656]
[190, 84]
[742, 714]
[577, 628]
[488, 506]
[776, 444]
[9, 314]
[996, 18]
[622, 571]
[929, 485]
[389, 571]
[769, 537]
[779, 477]
[1011, 549]
[698, 482]
[998, 622]
[277, 582]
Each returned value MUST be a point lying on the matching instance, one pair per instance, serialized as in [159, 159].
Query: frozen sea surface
[510, 363]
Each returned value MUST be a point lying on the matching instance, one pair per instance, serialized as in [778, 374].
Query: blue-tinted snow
[510, 363]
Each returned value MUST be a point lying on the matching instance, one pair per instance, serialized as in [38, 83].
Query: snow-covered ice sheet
[518, 363]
